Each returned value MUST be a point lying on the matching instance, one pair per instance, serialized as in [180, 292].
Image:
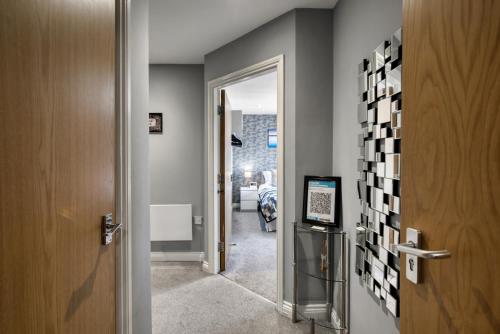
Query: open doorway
[219, 181]
[250, 112]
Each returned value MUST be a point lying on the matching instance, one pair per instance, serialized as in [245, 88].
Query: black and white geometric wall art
[379, 113]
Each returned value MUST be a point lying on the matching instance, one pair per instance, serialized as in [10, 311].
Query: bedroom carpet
[252, 261]
[186, 300]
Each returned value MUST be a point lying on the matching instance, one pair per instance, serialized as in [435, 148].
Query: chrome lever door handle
[111, 228]
[413, 254]
[108, 229]
[411, 248]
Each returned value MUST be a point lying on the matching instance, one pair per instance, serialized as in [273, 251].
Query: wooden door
[226, 184]
[57, 165]
[451, 163]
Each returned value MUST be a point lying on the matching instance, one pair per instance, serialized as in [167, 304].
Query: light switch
[198, 220]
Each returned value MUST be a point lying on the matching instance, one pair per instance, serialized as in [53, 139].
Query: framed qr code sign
[321, 200]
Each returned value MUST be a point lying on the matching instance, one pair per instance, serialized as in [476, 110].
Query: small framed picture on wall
[156, 123]
[321, 202]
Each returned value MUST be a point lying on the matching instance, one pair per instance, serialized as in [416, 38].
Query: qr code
[321, 203]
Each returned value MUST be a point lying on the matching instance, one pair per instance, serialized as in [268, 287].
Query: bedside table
[248, 198]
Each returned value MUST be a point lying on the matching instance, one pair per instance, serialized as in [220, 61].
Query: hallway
[188, 300]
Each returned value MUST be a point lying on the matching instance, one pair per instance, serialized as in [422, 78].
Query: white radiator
[172, 222]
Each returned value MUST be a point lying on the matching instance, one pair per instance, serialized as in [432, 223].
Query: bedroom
[252, 254]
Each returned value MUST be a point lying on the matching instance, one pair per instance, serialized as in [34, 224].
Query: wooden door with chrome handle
[225, 183]
[57, 166]
[450, 176]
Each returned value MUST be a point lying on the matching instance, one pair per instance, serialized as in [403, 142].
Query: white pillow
[268, 177]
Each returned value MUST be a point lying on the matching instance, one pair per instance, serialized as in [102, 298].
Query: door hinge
[221, 246]
[219, 110]
[220, 183]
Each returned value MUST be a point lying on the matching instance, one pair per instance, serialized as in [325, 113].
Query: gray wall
[254, 151]
[176, 156]
[313, 91]
[358, 27]
[270, 40]
[297, 29]
[139, 224]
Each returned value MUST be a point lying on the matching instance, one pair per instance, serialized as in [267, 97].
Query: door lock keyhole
[412, 264]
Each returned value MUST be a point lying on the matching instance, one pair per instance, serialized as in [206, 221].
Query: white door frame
[212, 264]
[123, 176]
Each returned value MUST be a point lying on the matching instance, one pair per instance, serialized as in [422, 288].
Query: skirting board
[178, 256]
[287, 309]
[309, 310]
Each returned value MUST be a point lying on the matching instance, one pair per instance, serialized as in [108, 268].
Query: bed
[267, 202]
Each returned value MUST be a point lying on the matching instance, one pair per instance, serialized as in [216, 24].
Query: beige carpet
[186, 300]
[252, 260]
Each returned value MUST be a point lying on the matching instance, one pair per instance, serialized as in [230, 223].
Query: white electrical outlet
[198, 220]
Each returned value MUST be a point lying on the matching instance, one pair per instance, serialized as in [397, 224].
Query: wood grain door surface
[57, 165]
[451, 163]
[225, 184]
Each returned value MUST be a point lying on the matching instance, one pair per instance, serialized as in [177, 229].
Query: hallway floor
[186, 300]
[252, 261]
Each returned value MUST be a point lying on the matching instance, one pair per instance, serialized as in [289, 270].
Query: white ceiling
[183, 31]
[257, 95]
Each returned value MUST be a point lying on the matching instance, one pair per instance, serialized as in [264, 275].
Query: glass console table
[320, 277]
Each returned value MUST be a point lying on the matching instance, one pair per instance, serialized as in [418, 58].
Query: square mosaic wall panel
[379, 114]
